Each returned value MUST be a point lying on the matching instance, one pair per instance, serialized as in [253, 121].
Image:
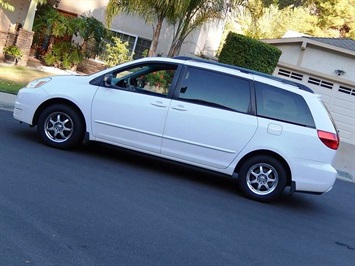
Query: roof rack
[245, 70]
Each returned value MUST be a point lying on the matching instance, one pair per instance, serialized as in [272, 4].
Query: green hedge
[246, 52]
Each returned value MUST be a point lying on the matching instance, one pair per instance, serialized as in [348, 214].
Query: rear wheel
[60, 126]
[262, 178]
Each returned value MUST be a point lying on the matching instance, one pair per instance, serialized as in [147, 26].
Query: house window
[282, 105]
[131, 40]
[141, 46]
[136, 44]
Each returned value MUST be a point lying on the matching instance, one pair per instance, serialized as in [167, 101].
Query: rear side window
[282, 105]
[215, 89]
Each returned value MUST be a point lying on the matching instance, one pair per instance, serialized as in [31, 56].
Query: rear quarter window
[275, 103]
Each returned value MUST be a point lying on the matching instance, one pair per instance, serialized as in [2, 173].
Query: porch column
[24, 42]
[30, 16]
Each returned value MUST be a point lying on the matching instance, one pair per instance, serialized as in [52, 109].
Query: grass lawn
[13, 78]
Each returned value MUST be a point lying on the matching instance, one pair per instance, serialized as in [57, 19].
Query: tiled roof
[348, 44]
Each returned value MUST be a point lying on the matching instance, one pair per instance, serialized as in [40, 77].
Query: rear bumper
[313, 177]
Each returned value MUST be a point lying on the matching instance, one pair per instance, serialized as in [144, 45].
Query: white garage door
[339, 98]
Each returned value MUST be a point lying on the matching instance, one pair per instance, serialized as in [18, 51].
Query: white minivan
[267, 132]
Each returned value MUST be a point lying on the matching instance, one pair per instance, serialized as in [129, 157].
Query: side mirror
[108, 80]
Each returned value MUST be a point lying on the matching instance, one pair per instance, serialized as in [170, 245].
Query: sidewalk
[344, 161]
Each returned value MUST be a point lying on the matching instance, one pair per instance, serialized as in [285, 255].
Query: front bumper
[26, 104]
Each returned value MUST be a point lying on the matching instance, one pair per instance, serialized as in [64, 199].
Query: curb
[7, 101]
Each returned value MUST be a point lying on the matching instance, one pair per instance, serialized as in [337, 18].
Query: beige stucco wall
[209, 40]
[319, 60]
[83, 6]
[327, 61]
[290, 53]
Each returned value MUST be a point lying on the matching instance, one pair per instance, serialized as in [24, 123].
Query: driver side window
[152, 78]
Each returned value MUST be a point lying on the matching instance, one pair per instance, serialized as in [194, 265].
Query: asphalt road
[100, 205]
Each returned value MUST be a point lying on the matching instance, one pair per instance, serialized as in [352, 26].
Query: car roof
[196, 61]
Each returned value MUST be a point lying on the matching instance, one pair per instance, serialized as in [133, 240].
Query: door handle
[179, 108]
[159, 104]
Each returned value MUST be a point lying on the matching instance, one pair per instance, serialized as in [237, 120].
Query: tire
[60, 126]
[262, 178]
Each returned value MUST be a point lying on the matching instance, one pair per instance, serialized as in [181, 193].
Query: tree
[186, 15]
[271, 22]
[40, 2]
[49, 23]
[323, 18]
[117, 53]
[285, 3]
[54, 32]
[336, 15]
[152, 11]
[5, 5]
[194, 13]
[89, 29]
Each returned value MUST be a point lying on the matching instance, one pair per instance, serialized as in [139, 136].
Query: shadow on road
[192, 174]
[179, 172]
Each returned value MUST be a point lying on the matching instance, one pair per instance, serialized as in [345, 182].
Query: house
[15, 27]
[326, 65]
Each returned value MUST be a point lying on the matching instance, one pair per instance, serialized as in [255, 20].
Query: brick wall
[22, 39]
[24, 42]
[6, 39]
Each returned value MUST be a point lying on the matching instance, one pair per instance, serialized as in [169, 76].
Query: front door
[131, 108]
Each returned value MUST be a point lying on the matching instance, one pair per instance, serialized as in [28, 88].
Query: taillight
[330, 140]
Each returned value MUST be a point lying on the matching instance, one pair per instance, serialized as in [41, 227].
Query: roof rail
[245, 70]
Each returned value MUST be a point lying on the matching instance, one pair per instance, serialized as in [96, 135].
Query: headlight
[38, 83]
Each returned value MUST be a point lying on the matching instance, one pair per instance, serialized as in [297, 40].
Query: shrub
[65, 55]
[249, 53]
[51, 27]
[117, 53]
[13, 50]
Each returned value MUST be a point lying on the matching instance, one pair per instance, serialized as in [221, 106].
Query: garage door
[339, 98]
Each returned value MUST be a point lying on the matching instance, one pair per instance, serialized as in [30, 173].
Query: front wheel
[61, 127]
[262, 178]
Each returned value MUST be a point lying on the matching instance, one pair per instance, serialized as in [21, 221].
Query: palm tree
[152, 11]
[194, 13]
[186, 15]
